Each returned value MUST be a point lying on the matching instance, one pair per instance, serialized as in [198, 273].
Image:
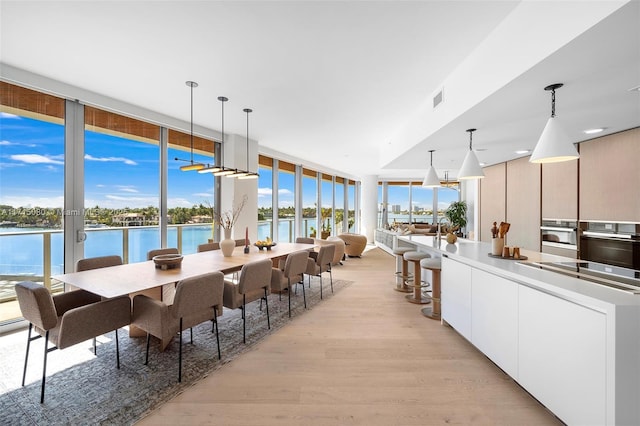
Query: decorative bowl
[264, 246]
[168, 261]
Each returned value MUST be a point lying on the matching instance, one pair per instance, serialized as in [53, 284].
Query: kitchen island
[573, 344]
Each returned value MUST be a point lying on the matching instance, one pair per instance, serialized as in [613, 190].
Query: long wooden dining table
[144, 278]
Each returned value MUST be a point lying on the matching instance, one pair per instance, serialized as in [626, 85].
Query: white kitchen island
[573, 344]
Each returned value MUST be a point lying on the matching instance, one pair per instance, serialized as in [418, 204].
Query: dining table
[145, 278]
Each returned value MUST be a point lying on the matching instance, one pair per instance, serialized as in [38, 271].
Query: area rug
[85, 389]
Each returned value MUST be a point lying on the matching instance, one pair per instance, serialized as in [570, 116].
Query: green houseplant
[456, 213]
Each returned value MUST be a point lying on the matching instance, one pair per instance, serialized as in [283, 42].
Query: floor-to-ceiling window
[190, 195]
[351, 206]
[339, 212]
[31, 191]
[421, 203]
[265, 197]
[326, 206]
[309, 202]
[286, 205]
[399, 202]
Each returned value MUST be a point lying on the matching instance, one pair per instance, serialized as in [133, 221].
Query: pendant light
[554, 145]
[470, 166]
[248, 174]
[431, 180]
[191, 166]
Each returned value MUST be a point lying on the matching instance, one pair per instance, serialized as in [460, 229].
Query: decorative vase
[497, 244]
[228, 244]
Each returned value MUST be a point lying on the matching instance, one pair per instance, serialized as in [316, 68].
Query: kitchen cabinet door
[523, 204]
[455, 284]
[492, 199]
[560, 190]
[494, 319]
[561, 356]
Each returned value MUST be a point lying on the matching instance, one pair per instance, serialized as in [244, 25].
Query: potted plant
[456, 213]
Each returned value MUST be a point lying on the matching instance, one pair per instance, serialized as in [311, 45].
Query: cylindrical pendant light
[431, 180]
[470, 166]
[554, 145]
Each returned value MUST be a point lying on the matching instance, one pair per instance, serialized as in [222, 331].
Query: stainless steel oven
[559, 233]
[612, 243]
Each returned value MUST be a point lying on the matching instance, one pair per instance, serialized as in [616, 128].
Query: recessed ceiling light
[635, 89]
[523, 151]
[483, 164]
[592, 131]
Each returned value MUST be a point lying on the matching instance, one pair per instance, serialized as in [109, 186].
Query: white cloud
[7, 115]
[5, 143]
[178, 202]
[109, 159]
[30, 201]
[36, 159]
[203, 194]
[284, 192]
[264, 192]
[127, 189]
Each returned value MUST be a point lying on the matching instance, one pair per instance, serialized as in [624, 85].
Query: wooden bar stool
[403, 274]
[416, 257]
[434, 265]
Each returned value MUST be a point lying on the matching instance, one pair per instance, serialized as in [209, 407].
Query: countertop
[476, 254]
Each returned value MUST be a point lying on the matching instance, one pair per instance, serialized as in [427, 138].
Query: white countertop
[476, 254]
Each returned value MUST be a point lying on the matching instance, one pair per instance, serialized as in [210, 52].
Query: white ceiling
[348, 85]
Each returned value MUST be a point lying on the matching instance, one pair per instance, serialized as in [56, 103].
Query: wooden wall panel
[560, 190]
[492, 199]
[523, 204]
[610, 178]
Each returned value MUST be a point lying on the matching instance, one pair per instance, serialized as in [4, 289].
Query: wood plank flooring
[363, 357]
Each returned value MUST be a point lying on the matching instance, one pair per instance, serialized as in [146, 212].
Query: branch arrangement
[229, 218]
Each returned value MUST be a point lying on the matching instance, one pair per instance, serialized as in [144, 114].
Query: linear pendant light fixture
[191, 166]
[431, 180]
[554, 145]
[248, 174]
[470, 166]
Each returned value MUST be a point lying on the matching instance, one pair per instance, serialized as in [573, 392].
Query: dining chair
[198, 299]
[253, 284]
[208, 247]
[304, 240]
[68, 318]
[292, 273]
[320, 262]
[156, 252]
[98, 262]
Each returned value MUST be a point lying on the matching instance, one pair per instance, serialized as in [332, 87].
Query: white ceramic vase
[228, 244]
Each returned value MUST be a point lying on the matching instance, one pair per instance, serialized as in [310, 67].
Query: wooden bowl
[265, 246]
[168, 261]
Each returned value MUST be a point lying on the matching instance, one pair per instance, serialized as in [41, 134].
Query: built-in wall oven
[611, 243]
[559, 233]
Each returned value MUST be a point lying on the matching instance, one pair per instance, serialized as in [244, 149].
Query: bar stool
[417, 297]
[434, 265]
[403, 274]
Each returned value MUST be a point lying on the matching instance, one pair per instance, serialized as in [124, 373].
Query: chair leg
[44, 366]
[146, 360]
[215, 323]
[117, 350]
[191, 331]
[320, 275]
[180, 355]
[331, 278]
[304, 295]
[266, 303]
[95, 346]
[244, 320]
[26, 357]
[289, 291]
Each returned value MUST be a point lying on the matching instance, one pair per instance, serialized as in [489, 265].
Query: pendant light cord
[553, 103]
[191, 122]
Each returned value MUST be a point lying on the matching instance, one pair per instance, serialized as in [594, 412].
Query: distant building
[133, 219]
[395, 208]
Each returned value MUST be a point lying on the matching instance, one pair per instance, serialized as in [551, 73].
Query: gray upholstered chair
[98, 262]
[169, 250]
[208, 247]
[69, 318]
[305, 240]
[253, 284]
[198, 299]
[292, 273]
[320, 262]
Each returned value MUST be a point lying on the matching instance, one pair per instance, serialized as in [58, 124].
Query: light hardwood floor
[363, 357]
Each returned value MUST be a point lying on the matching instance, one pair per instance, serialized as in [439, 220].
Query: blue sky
[123, 173]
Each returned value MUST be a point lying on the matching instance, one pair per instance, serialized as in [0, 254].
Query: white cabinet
[562, 348]
[455, 282]
[494, 319]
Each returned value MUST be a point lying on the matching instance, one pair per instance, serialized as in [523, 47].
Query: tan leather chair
[198, 299]
[340, 249]
[254, 284]
[355, 244]
[208, 247]
[98, 262]
[292, 272]
[169, 250]
[69, 318]
[305, 240]
[320, 262]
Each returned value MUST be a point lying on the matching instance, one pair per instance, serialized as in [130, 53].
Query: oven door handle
[604, 235]
[553, 228]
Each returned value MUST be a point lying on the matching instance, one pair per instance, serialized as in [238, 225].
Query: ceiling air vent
[438, 98]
